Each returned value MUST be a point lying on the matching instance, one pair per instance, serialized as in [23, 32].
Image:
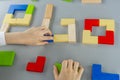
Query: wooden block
[61, 38]
[49, 11]
[59, 66]
[88, 39]
[24, 21]
[5, 27]
[30, 9]
[7, 18]
[46, 22]
[108, 23]
[67, 21]
[7, 58]
[92, 1]
[72, 33]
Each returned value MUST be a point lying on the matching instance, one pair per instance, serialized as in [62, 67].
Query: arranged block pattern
[9, 19]
[97, 74]
[92, 1]
[59, 66]
[107, 39]
[37, 66]
[7, 58]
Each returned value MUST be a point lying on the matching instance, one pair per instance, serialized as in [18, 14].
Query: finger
[70, 64]
[47, 32]
[76, 66]
[43, 38]
[64, 64]
[81, 70]
[42, 43]
[55, 72]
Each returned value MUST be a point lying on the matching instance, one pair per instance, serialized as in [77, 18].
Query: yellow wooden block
[24, 21]
[67, 21]
[49, 11]
[88, 39]
[92, 1]
[46, 22]
[72, 33]
[7, 18]
[60, 38]
[5, 27]
[108, 23]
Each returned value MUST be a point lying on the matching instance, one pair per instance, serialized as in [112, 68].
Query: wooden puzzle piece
[108, 39]
[48, 15]
[61, 38]
[30, 9]
[97, 74]
[71, 28]
[5, 27]
[92, 1]
[108, 23]
[88, 39]
[7, 58]
[37, 66]
[68, 0]
[18, 7]
[59, 66]
[89, 23]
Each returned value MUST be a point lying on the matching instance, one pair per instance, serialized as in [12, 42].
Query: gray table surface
[108, 56]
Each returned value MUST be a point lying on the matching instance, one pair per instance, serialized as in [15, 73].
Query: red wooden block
[108, 39]
[89, 23]
[38, 66]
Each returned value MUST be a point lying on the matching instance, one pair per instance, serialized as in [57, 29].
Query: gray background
[87, 55]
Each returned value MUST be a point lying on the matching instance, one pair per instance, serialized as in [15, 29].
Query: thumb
[55, 71]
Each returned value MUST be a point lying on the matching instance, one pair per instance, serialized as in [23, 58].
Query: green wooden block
[68, 0]
[59, 66]
[30, 9]
[6, 58]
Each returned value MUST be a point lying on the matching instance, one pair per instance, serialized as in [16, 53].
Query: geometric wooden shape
[97, 74]
[37, 66]
[108, 39]
[59, 66]
[30, 9]
[61, 38]
[70, 22]
[7, 58]
[88, 39]
[109, 23]
[92, 1]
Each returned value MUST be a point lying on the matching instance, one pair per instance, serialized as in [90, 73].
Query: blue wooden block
[97, 74]
[18, 7]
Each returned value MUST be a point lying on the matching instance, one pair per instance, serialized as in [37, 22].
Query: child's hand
[71, 70]
[32, 36]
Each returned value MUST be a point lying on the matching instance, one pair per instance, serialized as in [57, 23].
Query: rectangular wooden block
[92, 1]
[7, 18]
[30, 9]
[46, 22]
[88, 39]
[59, 66]
[72, 33]
[108, 23]
[67, 21]
[61, 38]
[6, 58]
[5, 27]
[49, 11]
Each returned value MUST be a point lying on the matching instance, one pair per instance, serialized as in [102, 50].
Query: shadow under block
[108, 23]
[70, 22]
[7, 58]
[30, 9]
[97, 74]
[88, 39]
[59, 66]
[61, 38]
[37, 66]
[14, 8]
[92, 1]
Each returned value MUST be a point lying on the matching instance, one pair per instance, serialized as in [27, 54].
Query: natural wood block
[108, 23]
[91, 1]
[46, 22]
[5, 27]
[67, 21]
[61, 38]
[88, 39]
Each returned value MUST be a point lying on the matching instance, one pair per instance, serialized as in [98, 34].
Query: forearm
[14, 38]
